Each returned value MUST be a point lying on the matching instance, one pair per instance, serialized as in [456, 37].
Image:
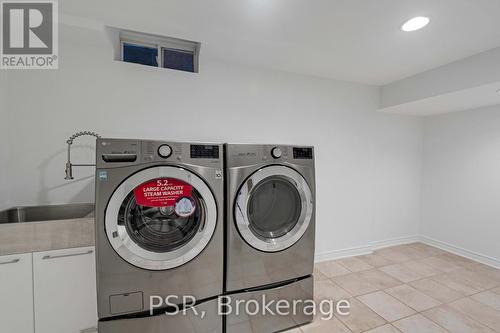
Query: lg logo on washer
[29, 35]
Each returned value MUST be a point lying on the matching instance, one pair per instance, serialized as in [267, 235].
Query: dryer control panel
[249, 154]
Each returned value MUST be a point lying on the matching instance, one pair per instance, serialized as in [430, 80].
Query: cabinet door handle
[67, 255]
[13, 261]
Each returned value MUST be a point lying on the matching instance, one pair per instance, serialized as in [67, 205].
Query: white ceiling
[353, 40]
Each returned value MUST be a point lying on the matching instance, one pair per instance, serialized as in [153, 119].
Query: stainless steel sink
[46, 213]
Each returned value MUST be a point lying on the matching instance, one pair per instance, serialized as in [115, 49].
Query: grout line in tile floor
[438, 263]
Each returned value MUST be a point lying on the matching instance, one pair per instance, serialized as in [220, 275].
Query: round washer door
[273, 208]
[160, 218]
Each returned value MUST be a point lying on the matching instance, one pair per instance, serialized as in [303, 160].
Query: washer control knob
[276, 152]
[164, 151]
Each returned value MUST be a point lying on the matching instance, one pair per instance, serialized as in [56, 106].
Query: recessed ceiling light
[498, 91]
[415, 23]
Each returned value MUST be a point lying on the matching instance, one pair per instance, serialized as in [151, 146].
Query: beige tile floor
[412, 288]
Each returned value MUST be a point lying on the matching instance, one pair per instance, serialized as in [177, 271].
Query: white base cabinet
[64, 284]
[16, 293]
[49, 292]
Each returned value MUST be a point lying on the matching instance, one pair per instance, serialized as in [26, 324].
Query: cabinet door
[16, 293]
[65, 291]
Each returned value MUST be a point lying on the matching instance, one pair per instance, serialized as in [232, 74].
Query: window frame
[137, 43]
[161, 44]
[195, 58]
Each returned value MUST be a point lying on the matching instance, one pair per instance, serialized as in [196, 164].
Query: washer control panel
[302, 153]
[276, 152]
[204, 151]
[164, 151]
[115, 153]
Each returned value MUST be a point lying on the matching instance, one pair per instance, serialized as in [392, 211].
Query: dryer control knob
[164, 151]
[276, 152]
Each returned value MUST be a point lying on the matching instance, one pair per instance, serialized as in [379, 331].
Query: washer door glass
[165, 227]
[273, 208]
[161, 218]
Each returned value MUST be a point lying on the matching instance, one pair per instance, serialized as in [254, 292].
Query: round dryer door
[161, 218]
[273, 208]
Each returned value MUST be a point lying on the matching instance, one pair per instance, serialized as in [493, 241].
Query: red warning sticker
[161, 192]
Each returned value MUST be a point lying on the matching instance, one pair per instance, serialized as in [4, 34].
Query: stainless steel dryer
[270, 229]
[159, 232]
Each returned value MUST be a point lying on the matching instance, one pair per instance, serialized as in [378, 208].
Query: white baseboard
[481, 258]
[394, 241]
[368, 249]
[362, 250]
[342, 253]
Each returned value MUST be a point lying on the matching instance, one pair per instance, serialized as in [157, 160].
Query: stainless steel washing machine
[270, 228]
[159, 233]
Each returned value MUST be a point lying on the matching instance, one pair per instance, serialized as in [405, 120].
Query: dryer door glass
[161, 218]
[273, 208]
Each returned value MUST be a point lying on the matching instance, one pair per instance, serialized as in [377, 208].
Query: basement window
[140, 54]
[177, 59]
[158, 51]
